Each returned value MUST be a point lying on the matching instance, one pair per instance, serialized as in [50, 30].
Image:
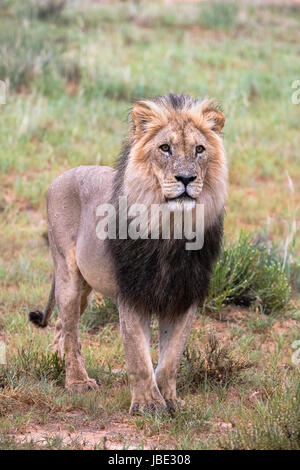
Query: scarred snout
[183, 186]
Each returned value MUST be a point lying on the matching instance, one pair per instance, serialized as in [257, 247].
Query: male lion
[174, 156]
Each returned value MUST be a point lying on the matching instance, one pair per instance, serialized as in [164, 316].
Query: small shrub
[250, 275]
[216, 366]
[48, 9]
[219, 15]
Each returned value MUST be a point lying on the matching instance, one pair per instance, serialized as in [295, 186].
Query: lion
[173, 156]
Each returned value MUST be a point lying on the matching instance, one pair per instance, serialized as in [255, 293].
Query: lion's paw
[82, 386]
[174, 405]
[153, 407]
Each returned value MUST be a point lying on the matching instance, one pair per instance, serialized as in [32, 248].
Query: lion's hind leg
[71, 293]
[58, 340]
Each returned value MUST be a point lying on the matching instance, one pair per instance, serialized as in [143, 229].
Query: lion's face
[177, 155]
[179, 159]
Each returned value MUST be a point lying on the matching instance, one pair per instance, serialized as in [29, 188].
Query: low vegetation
[252, 274]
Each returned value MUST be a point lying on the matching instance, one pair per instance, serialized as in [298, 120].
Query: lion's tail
[39, 318]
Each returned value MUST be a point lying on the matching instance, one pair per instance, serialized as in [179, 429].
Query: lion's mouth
[182, 197]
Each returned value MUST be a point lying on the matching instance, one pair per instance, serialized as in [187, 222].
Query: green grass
[275, 427]
[71, 76]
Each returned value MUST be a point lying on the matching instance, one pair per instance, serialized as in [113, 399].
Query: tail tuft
[37, 318]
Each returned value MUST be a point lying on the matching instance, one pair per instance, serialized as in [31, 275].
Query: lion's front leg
[172, 338]
[135, 330]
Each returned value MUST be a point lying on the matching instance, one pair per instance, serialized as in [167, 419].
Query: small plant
[216, 366]
[42, 365]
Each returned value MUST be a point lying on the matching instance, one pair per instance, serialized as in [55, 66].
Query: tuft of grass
[216, 366]
[43, 365]
[276, 427]
[249, 275]
[36, 364]
[100, 312]
[259, 323]
[23, 57]
[219, 15]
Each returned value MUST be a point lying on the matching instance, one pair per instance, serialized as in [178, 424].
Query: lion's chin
[181, 204]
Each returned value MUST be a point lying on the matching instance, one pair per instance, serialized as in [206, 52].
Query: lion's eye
[200, 149]
[165, 148]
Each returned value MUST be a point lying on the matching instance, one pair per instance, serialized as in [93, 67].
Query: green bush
[250, 274]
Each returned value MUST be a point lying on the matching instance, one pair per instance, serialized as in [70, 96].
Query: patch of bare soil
[112, 436]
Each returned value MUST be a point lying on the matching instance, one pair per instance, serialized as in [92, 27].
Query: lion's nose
[185, 179]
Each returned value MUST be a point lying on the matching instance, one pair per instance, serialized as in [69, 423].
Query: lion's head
[175, 154]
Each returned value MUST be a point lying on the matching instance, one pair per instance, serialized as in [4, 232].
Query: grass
[278, 430]
[71, 75]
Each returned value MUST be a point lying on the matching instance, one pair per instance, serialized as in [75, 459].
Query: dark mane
[161, 276]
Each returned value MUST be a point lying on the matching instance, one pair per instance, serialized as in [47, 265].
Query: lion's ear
[146, 115]
[213, 115]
